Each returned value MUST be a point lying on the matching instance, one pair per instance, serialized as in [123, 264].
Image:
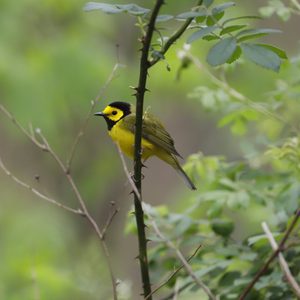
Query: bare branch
[109, 221]
[45, 146]
[283, 264]
[86, 120]
[180, 256]
[22, 129]
[127, 173]
[37, 193]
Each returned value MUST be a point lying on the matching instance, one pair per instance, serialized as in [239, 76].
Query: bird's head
[114, 112]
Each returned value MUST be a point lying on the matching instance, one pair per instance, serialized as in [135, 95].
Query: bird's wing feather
[153, 131]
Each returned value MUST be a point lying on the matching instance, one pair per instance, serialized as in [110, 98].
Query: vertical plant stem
[140, 92]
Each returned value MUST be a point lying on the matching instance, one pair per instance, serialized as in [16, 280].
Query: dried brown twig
[265, 267]
[173, 274]
[185, 263]
[38, 139]
[283, 264]
[82, 129]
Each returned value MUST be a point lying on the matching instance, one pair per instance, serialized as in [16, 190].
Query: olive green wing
[153, 131]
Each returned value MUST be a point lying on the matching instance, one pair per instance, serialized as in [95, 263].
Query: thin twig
[86, 120]
[272, 257]
[172, 39]
[173, 274]
[296, 4]
[180, 256]
[234, 93]
[84, 209]
[22, 129]
[109, 221]
[127, 173]
[283, 264]
[37, 193]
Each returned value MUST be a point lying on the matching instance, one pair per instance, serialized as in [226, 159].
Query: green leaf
[238, 127]
[267, 11]
[222, 51]
[213, 19]
[228, 278]
[235, 55]
[210, 38]
[220, 8]
[191, 14]
[164, 18]
[254, 33]
[132, 8]
[276, 50]
[208, 3]
[284, 13]
[222, 227]
[261, 56]
[201, 33]
[106, 8]
[240, 18]
[231, 29]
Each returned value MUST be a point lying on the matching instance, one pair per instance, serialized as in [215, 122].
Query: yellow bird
[156, 141]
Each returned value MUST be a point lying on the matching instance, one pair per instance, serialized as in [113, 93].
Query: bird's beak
[100, 113]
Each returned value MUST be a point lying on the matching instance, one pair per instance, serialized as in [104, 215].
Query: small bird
[156, 141]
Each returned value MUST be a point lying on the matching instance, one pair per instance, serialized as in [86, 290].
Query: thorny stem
[140, 92]
[145, 64]
[272, 257]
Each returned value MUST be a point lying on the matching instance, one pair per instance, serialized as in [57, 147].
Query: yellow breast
[125, 139]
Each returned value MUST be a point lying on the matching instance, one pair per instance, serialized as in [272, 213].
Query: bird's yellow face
[113, 113]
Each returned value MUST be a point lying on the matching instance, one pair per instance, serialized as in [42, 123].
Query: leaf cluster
[208, 21]
[227, 262]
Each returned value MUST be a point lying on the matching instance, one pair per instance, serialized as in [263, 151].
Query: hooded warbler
[156, 141]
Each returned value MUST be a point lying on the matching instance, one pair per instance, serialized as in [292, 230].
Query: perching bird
[156, 141]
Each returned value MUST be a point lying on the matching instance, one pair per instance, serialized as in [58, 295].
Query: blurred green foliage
[53, 60]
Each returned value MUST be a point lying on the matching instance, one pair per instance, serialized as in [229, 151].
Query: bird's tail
[183, 175]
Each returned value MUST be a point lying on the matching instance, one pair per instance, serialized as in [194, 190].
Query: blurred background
[54, 58]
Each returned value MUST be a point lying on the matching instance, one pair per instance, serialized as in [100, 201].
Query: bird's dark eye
[114, 112]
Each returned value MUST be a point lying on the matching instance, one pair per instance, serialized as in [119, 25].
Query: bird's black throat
[110, 123]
